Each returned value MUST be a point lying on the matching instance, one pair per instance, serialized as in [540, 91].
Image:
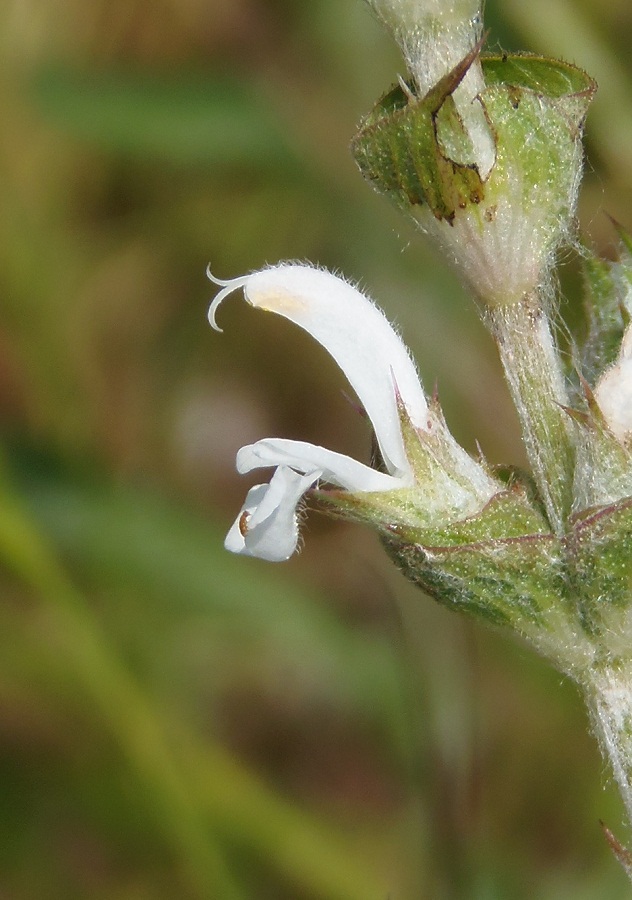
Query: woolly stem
[609, 697]
[534, 375]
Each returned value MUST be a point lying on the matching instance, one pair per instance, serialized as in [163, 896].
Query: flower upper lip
[355, 333]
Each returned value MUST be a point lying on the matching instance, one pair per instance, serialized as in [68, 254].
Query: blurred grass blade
[186, 119]
[564, 28]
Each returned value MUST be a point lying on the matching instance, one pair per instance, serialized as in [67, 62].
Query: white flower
[376, 362]
[444, 482]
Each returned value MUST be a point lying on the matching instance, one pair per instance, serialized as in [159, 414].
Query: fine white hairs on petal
[335, 468]
[360, 339]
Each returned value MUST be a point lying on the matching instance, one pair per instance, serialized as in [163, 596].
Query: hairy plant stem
[608, 693]
[534, 375]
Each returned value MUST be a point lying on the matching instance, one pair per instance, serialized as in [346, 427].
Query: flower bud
[499, 227]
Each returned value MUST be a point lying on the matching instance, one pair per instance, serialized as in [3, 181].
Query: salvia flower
[425, 469]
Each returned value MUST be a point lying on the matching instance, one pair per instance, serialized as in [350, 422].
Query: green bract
[417, 151]
[570, 596]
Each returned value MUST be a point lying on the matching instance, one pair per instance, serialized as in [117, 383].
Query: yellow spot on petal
[278, 301]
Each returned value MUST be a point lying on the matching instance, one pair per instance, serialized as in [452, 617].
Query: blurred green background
[176, 722]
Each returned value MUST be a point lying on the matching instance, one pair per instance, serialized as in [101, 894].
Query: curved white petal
[335, 468]
[358, 336]
[267, 525]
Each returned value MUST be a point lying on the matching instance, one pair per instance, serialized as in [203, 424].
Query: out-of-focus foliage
[175, 722]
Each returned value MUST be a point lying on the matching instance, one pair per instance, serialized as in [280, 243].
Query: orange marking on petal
[243, 522]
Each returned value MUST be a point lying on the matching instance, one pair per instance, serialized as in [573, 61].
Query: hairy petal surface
[335, 468]
[356, 334]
